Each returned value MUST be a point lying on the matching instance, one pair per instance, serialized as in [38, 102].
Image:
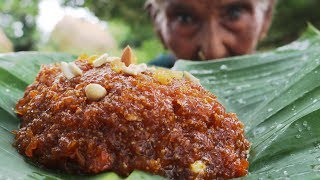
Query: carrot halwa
[154, 120]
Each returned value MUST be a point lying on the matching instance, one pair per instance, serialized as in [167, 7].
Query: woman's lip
[200, 56]
[197, 57]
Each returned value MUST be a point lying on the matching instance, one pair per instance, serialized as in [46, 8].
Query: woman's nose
[212, 45]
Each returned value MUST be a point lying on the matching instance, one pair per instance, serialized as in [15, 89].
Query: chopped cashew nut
[66, 70]
[95, 92]
[133, 69]
[198, 167]
[104, 59]
[140, 68]
[110, 59]
[152, 69]
[100, 60]
[129, 71]
[127, 56]
[190, 77]
[75, 69]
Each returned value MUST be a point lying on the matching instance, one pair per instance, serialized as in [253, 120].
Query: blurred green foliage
[130, 25]
[18, 21]
[139, 33]
[149, 47]
[290, 20]
[131, 12]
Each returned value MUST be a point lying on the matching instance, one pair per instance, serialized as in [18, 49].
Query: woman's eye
[184, 18]
[184, 22]
[234, 12]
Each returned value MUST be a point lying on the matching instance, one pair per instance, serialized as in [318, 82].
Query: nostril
[213, 44]
[214, 52]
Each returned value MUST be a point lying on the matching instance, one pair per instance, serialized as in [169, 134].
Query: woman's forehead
[205, 3]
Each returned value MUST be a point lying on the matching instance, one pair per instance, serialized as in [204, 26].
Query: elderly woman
[209, 29]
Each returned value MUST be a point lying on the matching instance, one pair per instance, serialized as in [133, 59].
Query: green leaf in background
[276, 94]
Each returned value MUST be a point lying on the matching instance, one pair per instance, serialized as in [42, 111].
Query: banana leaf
[276, 94]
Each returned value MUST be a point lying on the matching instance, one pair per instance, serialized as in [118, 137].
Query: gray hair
[155, 5]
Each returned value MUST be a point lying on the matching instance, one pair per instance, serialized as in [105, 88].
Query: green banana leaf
[276, 94]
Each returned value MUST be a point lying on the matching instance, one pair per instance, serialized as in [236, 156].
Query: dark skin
[212, 29]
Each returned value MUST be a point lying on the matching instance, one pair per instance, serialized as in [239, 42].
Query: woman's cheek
[247, 34]
[183, 48]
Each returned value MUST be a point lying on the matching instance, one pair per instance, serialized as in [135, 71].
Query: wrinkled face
[211, 29]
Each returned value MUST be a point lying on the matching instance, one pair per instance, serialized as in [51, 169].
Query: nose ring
[201, 55]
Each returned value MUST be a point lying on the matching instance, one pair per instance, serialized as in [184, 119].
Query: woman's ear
[267, 19]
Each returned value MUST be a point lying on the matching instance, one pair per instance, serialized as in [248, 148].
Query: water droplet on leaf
[316, 167]
[223, 67]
